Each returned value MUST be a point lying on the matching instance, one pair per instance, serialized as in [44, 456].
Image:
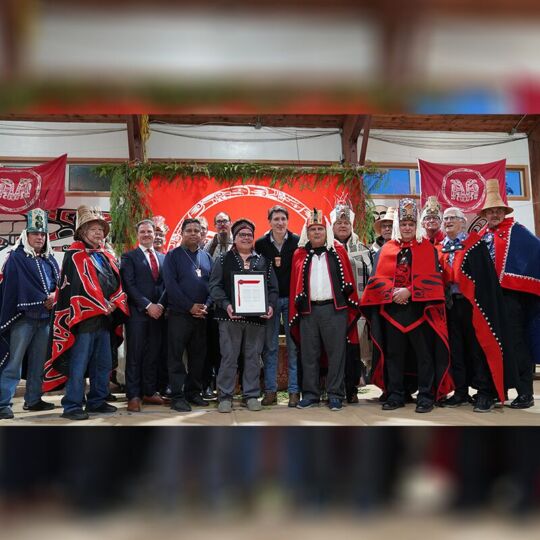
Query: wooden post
[365, 137]
[135, 140]
[534, 158]
[352, 125]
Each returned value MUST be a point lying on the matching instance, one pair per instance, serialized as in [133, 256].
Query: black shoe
[483, 404]
[524, 401]
[306, 403]
[198, 400]
[77, 414]
[39, 406]
[383, 397]
[424, 407]
[209, 394]
[181, 405]
[7, 415]
[456, 401]
[392, 405]
[103, 408]
[111, 397]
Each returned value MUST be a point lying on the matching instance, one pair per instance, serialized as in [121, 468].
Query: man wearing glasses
[431, 221]
[222, 241]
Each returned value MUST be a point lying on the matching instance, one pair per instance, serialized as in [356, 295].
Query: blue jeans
[27, 336]
[91, 351]
[271, 346]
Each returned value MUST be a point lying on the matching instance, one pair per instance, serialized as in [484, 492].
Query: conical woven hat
[90, 213]
[389, 216]
[493, 197]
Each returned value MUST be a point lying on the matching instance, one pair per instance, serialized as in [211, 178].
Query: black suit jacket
[139, 284]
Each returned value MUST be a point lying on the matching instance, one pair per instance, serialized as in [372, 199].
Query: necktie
[153, 264]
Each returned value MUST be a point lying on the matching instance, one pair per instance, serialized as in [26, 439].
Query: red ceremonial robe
[342, 278]
[78, 297]
[426, 287]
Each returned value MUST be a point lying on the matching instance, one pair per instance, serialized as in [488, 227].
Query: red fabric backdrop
[195, 197]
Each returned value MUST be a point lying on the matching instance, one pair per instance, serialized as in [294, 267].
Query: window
[393, 182]
[84, 178]
[514, 183]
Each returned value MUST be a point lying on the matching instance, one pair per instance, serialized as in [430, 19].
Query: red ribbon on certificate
[245, 282]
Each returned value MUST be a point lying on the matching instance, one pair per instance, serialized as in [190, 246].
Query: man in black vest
[278, 246]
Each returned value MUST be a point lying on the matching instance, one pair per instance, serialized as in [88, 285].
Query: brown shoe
[134, 405]
[270, 398]
[353, 398]
[156, 399]
[294, 398]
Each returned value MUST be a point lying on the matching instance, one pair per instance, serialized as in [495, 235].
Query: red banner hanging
[24, 188]
[463, 186]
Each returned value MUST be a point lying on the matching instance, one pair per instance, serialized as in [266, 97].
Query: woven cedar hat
[85, 214]
[37, 221]
[388, 216]
[432, 208]
[493, 197]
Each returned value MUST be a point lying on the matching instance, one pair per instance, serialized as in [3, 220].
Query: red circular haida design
[19, 189]
[464, 188]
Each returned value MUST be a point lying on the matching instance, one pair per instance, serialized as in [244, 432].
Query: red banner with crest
[24, 188]
[463, 186]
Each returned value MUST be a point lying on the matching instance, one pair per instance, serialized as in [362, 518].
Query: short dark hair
[189, 221]
[275, 209]
[144, 222]
[224, 213]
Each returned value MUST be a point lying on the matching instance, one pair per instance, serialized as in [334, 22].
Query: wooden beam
[135, 140]
[11, 16]
[534, 158]
[365, 137]
[352, 125]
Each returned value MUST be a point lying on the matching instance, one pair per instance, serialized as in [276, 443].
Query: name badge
[277, 261]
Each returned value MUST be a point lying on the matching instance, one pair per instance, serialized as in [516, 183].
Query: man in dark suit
[142, 279]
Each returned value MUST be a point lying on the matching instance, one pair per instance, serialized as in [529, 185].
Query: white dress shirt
[320, 287]
[147, 255]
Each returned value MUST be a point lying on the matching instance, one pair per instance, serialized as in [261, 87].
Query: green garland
[130, 184]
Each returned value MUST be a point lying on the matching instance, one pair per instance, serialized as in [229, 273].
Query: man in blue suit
[142, 279]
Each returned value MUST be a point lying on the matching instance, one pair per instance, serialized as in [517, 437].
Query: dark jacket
[139, 284]
[266, 247]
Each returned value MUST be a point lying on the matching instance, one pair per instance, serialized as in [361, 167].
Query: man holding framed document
[244, 288]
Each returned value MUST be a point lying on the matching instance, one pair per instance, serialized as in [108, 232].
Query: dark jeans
[213, 353]
[516, 305]
[397, 344]
[468, 362]
[186, 333]
[143, 350]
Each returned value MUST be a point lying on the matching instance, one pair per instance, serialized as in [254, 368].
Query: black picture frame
[237, 277]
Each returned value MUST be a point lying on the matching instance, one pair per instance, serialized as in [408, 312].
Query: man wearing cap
[361, 257]
[323, 308]
[383, 229]
[431, 220]
[186, 271]
[404, 304]
[160, 232]
[515, 252]
[474, 304]
[278, 246]
[90, 303]
[240, 334]
[30, 279]
[142, 278]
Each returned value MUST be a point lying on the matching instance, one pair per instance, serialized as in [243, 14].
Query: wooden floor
[366, 413]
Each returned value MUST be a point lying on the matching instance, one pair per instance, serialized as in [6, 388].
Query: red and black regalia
[415, 330]
[515, 252]
[475, 313]
[79, 298]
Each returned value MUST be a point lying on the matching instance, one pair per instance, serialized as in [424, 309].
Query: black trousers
[143, 348]
[468, 366]
[163, 362]
[516, 304]
[397, 347]
[186, 333]
[213, 353]
[353, 369]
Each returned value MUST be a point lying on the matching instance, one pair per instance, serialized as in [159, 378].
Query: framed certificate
[250, 297]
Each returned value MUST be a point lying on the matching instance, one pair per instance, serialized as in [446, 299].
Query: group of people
[427, 309]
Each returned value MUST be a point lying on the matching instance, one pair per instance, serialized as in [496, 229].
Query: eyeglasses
[245, 235]
[450, 218]
[222, 221]
[431, 219]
